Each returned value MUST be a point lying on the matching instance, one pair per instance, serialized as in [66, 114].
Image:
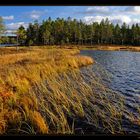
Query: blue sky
[14, 16]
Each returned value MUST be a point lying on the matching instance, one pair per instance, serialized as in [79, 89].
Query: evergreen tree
[71, 31]
[21, 33]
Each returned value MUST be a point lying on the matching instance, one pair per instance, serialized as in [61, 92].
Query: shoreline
[84, 47]
[112, 48]
[105, 47]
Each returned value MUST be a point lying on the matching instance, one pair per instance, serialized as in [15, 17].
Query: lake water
[3, 45]
[124, 68]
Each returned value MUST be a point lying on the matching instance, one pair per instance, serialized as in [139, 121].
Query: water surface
[123, 69]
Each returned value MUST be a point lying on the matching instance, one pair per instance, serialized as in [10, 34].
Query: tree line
[71, 31]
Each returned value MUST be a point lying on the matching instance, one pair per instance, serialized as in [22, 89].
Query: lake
[123, 68]
[4, 45]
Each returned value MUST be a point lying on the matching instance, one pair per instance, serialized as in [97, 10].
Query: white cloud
[8, 17]
[91, 19]
[127, 14]
[16, 25]
[95, 10]
[112, 10]
[100, 9]
[120, 19]
[133, 9]
[134, 21]
[35, 14]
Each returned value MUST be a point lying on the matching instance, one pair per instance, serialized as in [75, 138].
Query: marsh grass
[44, 92]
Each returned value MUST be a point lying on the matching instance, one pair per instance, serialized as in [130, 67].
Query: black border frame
[69, 2]
[72, 3]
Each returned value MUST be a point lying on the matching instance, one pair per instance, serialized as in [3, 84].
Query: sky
[14, 16]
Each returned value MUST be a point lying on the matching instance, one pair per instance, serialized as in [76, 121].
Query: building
[11, 39]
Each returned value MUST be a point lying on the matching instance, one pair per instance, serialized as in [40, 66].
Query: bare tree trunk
[17, 48]
[122, 41]
[91, 42]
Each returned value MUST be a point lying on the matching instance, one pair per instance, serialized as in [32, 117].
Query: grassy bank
[28, 89]
[43, 91]
[105, 47]
[117, 48]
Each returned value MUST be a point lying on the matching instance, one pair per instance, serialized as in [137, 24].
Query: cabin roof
[8, 35]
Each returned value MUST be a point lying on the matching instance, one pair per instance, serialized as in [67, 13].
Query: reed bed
[43, 91]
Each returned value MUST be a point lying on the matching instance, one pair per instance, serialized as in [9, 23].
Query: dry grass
[42, 91]
[111, 47]
[104, 47]
[38, 122]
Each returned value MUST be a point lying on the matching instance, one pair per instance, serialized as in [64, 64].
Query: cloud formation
[133, 9]
[8, 17]
[99, 10]
[16, 25]
[114, 19]
[95, 10]
[129, 15]
[35, 15]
